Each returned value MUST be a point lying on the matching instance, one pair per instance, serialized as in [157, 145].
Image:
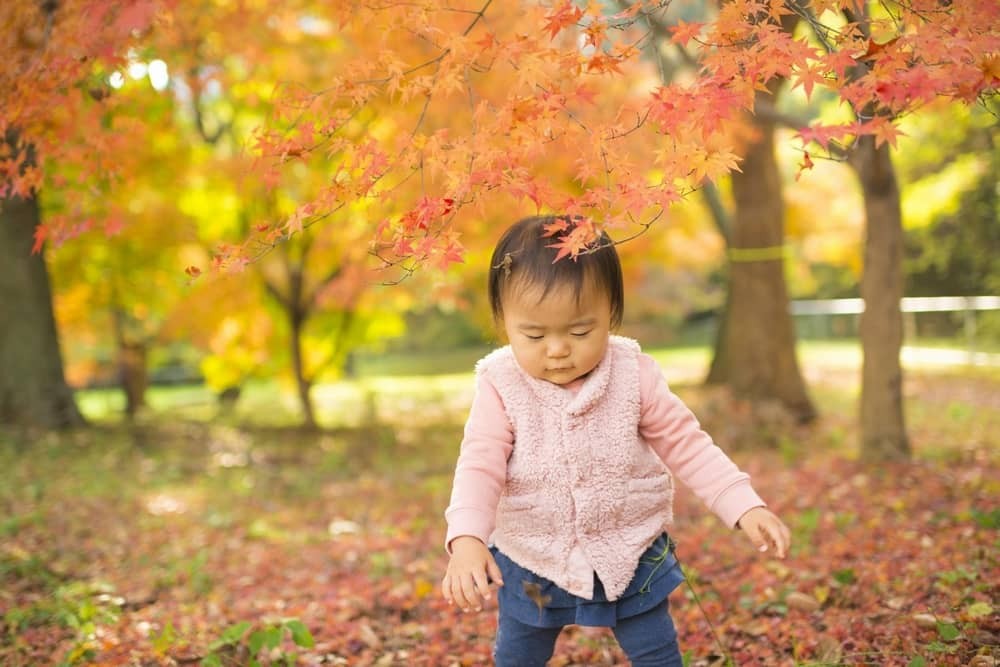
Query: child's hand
[466, 583]
[763, 527]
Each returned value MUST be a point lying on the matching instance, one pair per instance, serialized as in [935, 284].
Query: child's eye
[533, 337]
[582, 333]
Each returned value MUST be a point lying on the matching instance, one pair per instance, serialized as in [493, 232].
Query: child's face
[558, 338]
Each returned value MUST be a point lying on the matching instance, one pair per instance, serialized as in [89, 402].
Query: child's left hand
[764, 528]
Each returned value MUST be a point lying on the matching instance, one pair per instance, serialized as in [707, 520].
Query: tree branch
[199, 117]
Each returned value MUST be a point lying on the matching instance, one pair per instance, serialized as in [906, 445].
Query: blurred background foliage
[311, 310]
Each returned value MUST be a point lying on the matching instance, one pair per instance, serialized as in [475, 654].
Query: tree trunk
[134, 377]
[718, 372]
[132, 373]
[883, 430]
[297, 313]
[759, 334]
[33, 389]
[302, 384]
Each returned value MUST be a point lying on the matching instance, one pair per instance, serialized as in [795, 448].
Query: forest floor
[181, 540]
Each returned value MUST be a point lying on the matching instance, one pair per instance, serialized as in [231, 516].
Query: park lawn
[186, 538]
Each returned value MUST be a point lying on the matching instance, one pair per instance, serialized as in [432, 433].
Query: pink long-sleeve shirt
[666, 425]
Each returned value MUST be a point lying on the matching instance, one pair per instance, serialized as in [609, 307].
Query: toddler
[564, 484]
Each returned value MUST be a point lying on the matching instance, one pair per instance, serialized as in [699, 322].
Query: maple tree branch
[275, 293]
[767, 112]
[199, 118]
[657, 29]
[709, 191]
[720, 215]
[479, 15]
[819, 29]
[863, 22]
[49, 7]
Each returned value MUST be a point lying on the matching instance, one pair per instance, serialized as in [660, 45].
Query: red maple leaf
[135, 16]
[41, 233]
[806, 163]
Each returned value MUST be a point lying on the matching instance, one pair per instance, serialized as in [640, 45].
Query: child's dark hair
[522, 255]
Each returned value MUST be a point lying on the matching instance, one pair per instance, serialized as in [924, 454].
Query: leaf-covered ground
[175, 542]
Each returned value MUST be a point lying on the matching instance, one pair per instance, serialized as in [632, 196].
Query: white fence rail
[909, 304]
[967, 305]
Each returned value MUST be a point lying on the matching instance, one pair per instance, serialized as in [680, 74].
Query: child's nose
[558, 348]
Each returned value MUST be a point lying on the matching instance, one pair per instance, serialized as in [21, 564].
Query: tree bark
[302, 384]
[33, 389]
[132, 372]
[883, 429]
[297, 314]
[134, 376]
[718, 371]
[759, 334]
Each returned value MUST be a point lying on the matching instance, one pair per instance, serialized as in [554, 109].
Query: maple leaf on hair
[577, 240]
[556, 226]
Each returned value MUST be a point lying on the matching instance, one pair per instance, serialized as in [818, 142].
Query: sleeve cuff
[735, 501]
[468, 521]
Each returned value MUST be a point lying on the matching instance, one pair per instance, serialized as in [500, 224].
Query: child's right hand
[466, 583]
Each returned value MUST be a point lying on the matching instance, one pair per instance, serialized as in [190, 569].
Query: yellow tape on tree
[765, 254]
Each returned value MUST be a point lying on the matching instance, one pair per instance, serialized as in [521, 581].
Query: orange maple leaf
[684, 32]
[990, 66]
[556, 226]
[565, 14]
[884, 131]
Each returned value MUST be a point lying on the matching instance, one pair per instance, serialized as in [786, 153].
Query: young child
[564, 485]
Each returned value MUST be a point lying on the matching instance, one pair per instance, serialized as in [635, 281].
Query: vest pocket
[649, 498]
[661, 485]
[526, 515]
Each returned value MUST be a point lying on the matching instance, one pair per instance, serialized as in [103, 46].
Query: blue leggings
[649, 640]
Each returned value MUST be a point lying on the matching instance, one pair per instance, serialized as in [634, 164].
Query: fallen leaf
[985, 638]
[534, 591]
[980, 609]
[829, 650]
[802, 602]
[369, 637]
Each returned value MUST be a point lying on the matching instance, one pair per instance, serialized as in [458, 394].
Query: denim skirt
[536, 601]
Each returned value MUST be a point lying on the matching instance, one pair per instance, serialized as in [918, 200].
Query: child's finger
[784, 540]
[494, 571]
[446, 589]
[775, 532]
[458, 593]
[755, 533]
[469, 593]
[482, 585]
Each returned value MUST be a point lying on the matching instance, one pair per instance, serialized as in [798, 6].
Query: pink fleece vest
[579, 473]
